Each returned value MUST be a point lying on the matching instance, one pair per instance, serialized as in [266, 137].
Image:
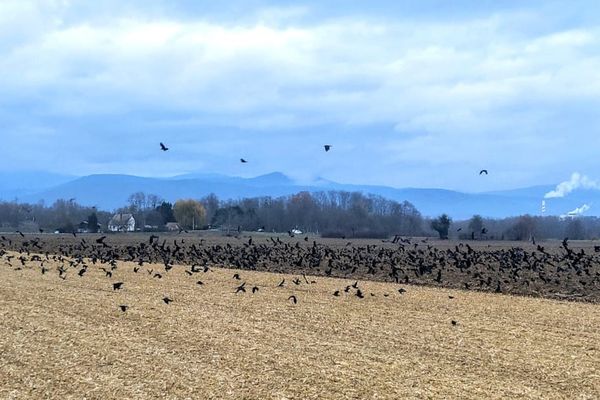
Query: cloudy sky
[421, 94]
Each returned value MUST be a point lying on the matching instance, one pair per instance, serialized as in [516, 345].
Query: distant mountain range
[109, 192]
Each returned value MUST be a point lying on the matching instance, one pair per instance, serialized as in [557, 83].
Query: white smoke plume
[580, 210]
[577, 181]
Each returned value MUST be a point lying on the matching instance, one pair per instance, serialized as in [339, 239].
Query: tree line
[329, 214]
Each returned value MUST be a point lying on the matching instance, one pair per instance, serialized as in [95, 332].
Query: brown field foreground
[68, 339]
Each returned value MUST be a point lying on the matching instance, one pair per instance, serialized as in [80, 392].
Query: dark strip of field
[548, 269]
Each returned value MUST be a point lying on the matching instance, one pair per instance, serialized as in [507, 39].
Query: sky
[409, 94]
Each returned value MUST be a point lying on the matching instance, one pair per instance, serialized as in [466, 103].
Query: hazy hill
[111, 191]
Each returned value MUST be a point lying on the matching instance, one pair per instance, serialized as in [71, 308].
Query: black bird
[336, 293]
[327, 147]
[101, 240]
[483, 171]
[355, 285]
[243, 161]
[293, 299]
[450, 297]
[123, 307]
[459, 229]
[82, 271]
[41, 230]
[20, 233]
[454, 322]
[483, 231]
[241, 288]
[199, 283]
[163, 147]
[281, 283]
[117, 285]
[254, 289]
[401, 290]
[359, 294]
[167, 300]
[237, 276]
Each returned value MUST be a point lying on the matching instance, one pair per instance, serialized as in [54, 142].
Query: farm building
[121, 223]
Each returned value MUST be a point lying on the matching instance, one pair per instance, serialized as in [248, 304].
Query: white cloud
[431, 76]
[482, 89]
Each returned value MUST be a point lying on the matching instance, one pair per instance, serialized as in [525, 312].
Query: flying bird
[293, 299]
[123, 307]
[483, 171]
[327, 147]
[241, 288]
[243, 161]
[117, 285]
[167, 300]
[163, 147]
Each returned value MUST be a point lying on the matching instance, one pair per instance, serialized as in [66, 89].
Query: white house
[122, 223]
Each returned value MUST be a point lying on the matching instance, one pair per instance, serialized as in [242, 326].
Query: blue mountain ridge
[109, 192]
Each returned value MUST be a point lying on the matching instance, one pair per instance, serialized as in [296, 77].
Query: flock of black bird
[562, 272]
[77, 258]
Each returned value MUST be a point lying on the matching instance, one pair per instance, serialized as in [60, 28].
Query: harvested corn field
[66, 337]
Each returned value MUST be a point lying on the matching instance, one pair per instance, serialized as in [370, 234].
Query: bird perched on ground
[293, 299]
[163, 147]
[167, 300]
[123, 307]
[336, 293]
[454, 323]
[255, 289]
[236, 276]
[100, 240]
[117, 285]
[243, 161]
[483, 171]
[327, 147]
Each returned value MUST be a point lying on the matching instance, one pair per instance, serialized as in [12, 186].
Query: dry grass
[68, 340]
